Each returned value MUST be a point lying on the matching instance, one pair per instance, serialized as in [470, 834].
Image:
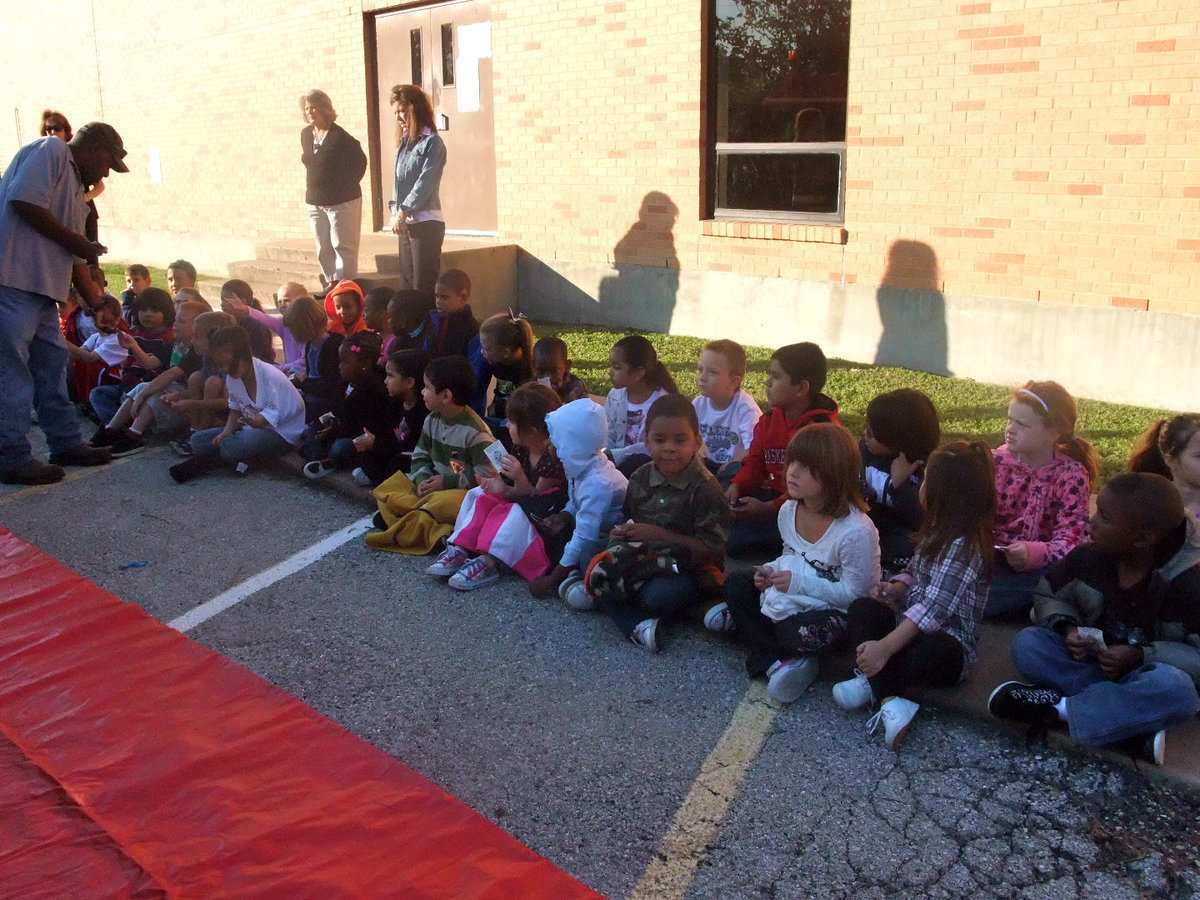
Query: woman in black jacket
[335, 163]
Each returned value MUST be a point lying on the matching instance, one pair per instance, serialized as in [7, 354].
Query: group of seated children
[476, 437]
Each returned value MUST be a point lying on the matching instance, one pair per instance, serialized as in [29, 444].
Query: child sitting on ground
[266, 413]
[448, 454]
[375, 311]
[137, 279]
[181, 274]
[363, 409]
[236, 293]
[922, 627]
[1171, 448]
[203, 402]
[122, 355]
[404, 376]
[902, 430]
[450, 326]
[795, 380]
[670, 552]
[407, 313]
[1044, 474]
[505, 354]
[638, 379]
[293, 350]
[145, 406]
[789, 610]
[498, 522]
[727, 414]
[344, 306]
[595, 499]
[1116, 650]
[319, 381]
[552, 367]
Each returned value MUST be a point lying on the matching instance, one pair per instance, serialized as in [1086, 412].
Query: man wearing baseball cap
[42, 250]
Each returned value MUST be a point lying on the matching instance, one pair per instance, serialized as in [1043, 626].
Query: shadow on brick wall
[647, 279]
[912, 310]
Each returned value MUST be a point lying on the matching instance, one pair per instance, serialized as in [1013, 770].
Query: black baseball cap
[106, 136]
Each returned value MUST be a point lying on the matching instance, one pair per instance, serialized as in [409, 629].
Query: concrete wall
[1119, 355]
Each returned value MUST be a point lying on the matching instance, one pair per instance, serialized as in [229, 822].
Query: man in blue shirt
[42, 250]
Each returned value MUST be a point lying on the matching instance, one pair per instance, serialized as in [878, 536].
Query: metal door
[446, 50]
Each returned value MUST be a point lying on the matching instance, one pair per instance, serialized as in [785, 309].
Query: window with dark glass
[447, 55]
[414, 46]
[777, 101]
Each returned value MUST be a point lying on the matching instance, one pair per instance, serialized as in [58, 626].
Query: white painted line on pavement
[697, 825]
[265, 579]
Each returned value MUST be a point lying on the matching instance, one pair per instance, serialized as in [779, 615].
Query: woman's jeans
[1101, 711]
[421, 255]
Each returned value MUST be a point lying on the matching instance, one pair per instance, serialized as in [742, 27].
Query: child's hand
[364, 441]
[254, 419]
[429, 485]
[491, 484]
[762, 577]
[546, 585]
[889, 593]
[902, 469]
[636, 532]
[510, 467]
[1116, 662]
[299, 375]
[871, 657]
[1077, 645]
[236, 307]
[752, 508]
[220, 438]
[1017, 556]
[126, 340]
[732, 493]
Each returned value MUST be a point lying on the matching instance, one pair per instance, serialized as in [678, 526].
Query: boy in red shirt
[794, 384]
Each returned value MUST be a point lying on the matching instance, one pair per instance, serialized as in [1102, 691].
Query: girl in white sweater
[788, 610]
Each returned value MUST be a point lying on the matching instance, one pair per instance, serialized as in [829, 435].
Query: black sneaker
[103, 437]
[1024, 703]
[1149, 748]
[194, 467]
[126, 444]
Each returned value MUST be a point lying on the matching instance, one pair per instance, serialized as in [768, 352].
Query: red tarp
[137, 763]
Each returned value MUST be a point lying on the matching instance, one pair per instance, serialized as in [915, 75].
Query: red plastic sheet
[137, 763]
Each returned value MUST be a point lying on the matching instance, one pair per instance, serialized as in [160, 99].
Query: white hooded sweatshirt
[595, 489]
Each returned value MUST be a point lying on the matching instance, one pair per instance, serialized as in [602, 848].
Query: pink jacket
[1045, 507]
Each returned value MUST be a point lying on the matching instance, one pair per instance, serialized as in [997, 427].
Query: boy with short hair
[552, 367]
[180, 274]
[794, 383]
[727, 413]
[137, 279]
[450, 327]
[1116, 651]
[453, 438]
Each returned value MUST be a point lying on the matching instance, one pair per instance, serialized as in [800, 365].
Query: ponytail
[639, 353]
[1082, 451]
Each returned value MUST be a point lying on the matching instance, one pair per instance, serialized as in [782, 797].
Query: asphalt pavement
[643, 776]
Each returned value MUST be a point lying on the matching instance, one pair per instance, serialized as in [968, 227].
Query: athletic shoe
[181, 447]
[378, 523]
[194, 466]
[789, 678]
[126, 444]
[854, 693]
[1021, 702]
[81, 455]
[1150, 748]
[645, 635]
[719, 619]
[895, 715]
[572, 577]
[361, 478]
[474, 574]
[452, 559]
[318, 468]
[578, 597]
[33, 472]
[103, 437]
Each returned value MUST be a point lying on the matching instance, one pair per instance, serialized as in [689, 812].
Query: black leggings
[934, 659]
[769, 641]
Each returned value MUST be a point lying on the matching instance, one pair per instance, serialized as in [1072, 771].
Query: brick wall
[1042, 149]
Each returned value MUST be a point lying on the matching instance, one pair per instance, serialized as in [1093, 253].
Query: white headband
[1035, 397]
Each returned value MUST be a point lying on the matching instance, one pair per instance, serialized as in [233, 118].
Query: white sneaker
[361, 478]
[572, 577]
[318, 468]
[896, 715]
[578, 597]
[645, 635]
[719, 619]
[789, 678]
[452, 559]
[853, 693]
[475, 574]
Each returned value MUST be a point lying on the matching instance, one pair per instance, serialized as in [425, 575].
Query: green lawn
[969, 409]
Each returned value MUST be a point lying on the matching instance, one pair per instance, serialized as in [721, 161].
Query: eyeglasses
[52, 129]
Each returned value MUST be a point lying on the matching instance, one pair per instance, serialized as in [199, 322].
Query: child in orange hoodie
[344, 305]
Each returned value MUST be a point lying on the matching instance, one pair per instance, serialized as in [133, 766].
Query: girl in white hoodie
[788, 610]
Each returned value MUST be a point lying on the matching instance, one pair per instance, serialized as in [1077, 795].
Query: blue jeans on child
[1011, 591]
[661, 596]
[1101, 711]
[244, 445]
[106, 400]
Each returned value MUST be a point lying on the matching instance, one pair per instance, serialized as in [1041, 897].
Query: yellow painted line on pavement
[697, 825]
[83, 472]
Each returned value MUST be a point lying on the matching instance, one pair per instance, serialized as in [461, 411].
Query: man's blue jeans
[1101, 711]
[33, 372]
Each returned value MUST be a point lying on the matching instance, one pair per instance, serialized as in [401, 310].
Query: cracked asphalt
[586, 748]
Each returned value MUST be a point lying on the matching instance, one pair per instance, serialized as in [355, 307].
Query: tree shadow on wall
[643, 292]
[912, 310]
